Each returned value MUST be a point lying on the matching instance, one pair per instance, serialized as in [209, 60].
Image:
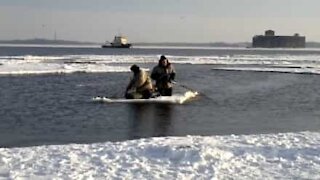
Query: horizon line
[141, 42]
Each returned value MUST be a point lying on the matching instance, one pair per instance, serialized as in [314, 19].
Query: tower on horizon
[55, 36]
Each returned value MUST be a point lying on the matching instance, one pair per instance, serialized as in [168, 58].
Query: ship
[118, 42]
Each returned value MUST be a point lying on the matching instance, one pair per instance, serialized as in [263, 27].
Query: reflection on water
[149, 120]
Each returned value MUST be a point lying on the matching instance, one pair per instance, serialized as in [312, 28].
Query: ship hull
[112, 46]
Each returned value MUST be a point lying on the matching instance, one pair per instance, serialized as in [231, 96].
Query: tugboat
[118, 42]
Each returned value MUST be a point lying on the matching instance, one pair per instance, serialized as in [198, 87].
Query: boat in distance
[118, 42]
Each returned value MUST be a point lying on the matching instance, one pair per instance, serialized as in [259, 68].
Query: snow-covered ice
[174, 99]
[29, 64]
[265, 156]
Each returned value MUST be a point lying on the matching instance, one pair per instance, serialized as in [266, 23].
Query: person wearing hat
[163, 74]
[140, 86]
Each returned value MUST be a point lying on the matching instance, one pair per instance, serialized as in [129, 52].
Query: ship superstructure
[118, 42]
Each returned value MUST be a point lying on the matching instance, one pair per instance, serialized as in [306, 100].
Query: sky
[158, 20]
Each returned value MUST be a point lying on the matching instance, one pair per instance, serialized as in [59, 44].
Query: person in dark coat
[164, 74]
[140, 86]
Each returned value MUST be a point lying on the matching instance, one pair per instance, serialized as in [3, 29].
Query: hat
[162, 57]
[134, 68]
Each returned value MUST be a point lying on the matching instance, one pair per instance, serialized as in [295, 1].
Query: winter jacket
[140, 82]
[163, 76]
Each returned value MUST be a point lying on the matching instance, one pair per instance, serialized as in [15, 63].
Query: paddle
[184, 86]
[190, 89]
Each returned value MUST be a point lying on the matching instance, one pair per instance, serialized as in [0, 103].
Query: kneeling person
[140, 86]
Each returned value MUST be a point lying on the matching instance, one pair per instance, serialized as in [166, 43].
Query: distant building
[269, 40]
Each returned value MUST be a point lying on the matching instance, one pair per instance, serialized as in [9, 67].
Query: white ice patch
[174, 99]
[51, 68]
[305, 70]
[271, 156]
[119, 63]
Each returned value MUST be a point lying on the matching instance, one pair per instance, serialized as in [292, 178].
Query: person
[140, 86]
[164, 74]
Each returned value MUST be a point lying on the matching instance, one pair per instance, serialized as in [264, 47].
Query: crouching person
[163, 74]
[140, 86]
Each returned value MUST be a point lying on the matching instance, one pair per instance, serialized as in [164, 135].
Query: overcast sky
[158, 20]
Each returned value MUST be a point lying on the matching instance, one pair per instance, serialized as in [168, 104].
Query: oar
[184, 86]
[190, 89]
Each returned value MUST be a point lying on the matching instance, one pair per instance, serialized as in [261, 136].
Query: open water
[42, 103]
